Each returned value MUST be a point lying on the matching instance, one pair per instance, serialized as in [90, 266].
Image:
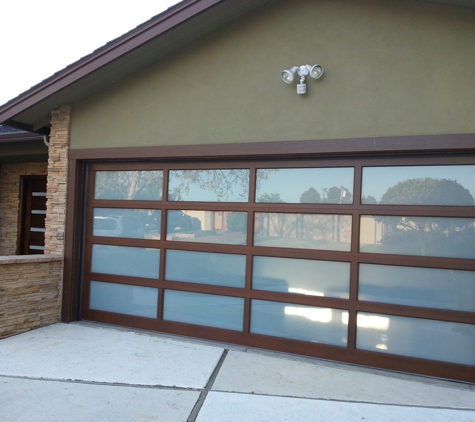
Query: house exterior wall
[29, 293]
[387, 74]
[10, 186]
[391, 68]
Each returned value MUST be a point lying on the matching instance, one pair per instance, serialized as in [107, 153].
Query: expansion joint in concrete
[109, 384]
[209, 385]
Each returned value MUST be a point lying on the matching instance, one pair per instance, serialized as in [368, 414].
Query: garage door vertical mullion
[249, 249]
[355, 234]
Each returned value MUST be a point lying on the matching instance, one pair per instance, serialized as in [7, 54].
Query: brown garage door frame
[77, 173]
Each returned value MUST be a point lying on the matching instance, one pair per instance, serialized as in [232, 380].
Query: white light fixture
[314, 71]
[288, 75]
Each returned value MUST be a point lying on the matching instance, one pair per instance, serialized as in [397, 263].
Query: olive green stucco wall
[391, 67]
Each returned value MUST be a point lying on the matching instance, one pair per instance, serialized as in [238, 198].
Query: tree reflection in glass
[419, 185]
[428, 191]
[231, 185]
[129, 185]
[305, 185]
[303, 231]
[421, 235]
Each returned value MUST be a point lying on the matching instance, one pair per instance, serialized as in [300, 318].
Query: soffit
[29, 148]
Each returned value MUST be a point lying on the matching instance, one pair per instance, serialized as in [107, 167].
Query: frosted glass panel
[129, 185]
[127, 223]
[124, 299]
[203, 309]
[419, 236]
[419, 185]
[414, 337]
[206, 268]
[299, 322]
[301, 276]
[303, 231]
[124, 260]
[225, 227]
[305, 185]
[230, 185]
[425, 287]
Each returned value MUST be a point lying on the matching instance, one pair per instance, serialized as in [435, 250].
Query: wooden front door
[33, 214]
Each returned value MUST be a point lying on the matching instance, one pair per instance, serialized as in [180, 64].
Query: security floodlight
[314, 71]
[288, 75]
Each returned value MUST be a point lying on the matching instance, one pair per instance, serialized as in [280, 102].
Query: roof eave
[110, 52]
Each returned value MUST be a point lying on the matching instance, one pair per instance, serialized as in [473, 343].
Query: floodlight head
[304, 70]
[316, 71]
[288, 75]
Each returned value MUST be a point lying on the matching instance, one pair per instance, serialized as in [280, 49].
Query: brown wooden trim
[73, 239]
[395, 145]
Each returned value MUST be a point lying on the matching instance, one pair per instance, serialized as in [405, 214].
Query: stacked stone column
[57, 181]
[57, 188]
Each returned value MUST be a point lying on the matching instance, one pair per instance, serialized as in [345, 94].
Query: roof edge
[19, 137]
[106, 54]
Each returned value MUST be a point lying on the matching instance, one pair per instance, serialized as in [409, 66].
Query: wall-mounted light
[314, 71]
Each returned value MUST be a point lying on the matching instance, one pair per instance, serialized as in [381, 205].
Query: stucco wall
[391, 67]
[10, 186]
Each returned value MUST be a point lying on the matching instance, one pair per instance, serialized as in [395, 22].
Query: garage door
[369, 261]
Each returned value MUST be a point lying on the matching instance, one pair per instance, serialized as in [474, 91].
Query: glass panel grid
[305, 185]
[419, 185]
[204, 309]
[291, 275]
[216, 269]
[218, 185]
[126, 223]
[222, 227]
[129, 185]
[416, 337]
[303, 231]
[125, 260]
[301, 276]
[418, 236]
[423, 287]
[124, 299]
[299, 322]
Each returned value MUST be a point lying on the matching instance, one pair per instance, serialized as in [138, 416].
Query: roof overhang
[144, 45]
[22, 147]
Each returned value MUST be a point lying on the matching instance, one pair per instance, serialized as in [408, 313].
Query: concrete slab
[256, 373]
[75, 352]
[23, 400]
[231, 407]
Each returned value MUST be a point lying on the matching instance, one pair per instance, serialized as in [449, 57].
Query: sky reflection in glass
[305, 185]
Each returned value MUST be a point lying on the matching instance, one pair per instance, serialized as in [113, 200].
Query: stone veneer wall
[57, 181]
[31, 285]
[10, 185]
[29, 292]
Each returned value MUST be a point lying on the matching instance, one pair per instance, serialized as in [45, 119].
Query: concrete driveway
[93, 372]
